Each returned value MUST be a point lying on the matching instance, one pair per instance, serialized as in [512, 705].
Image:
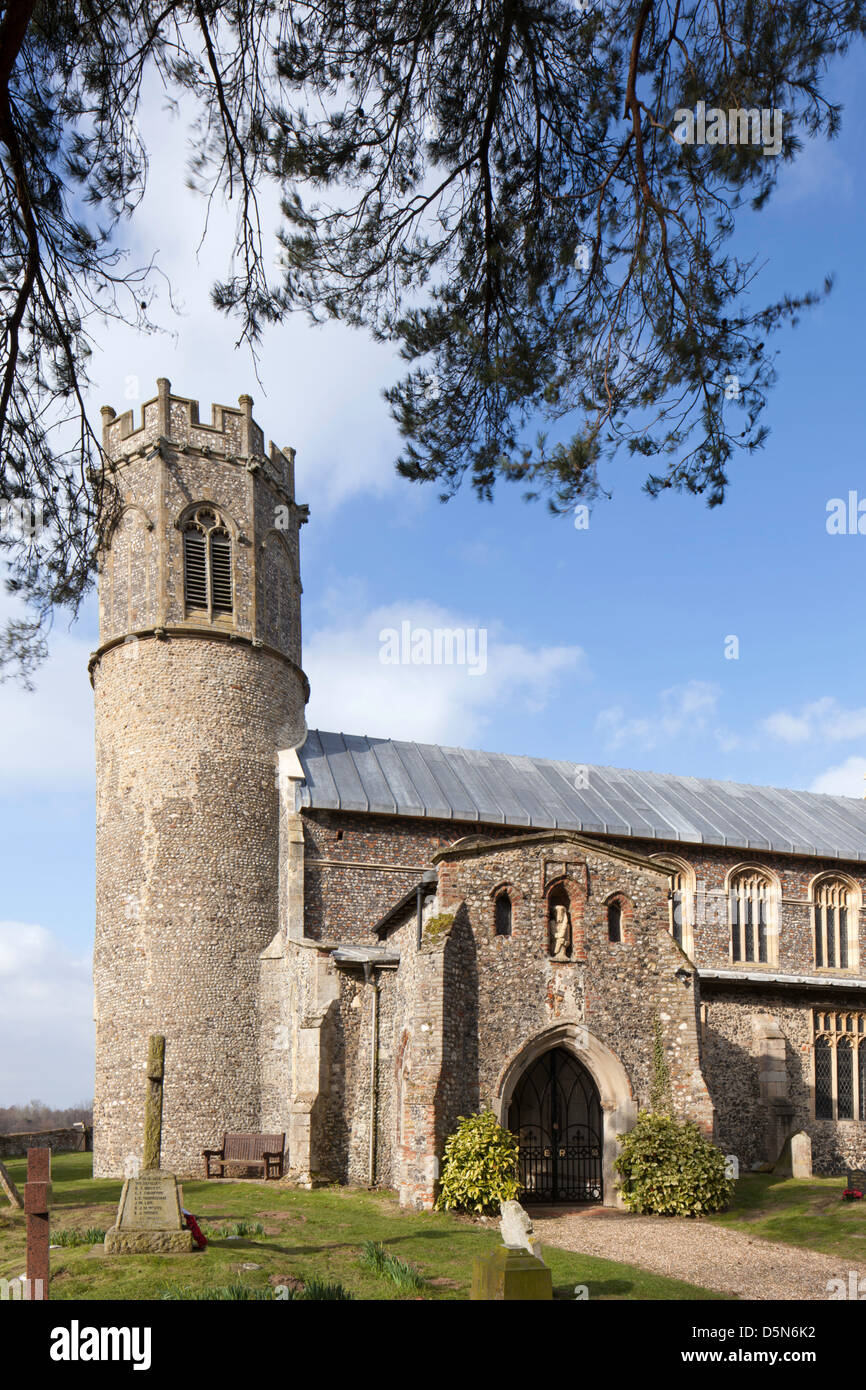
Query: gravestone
[795, 1160]
[856, 1179]
[149, 1217]
[37, 1191]
[514, 1271]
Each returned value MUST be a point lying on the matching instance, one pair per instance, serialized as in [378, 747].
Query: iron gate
[556, 1114]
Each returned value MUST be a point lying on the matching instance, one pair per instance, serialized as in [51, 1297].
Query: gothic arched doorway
[555, 1112]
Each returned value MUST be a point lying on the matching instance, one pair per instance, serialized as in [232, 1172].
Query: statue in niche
[560, 931]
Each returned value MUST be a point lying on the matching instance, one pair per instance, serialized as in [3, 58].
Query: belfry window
[750, 898]
[221, 571]
[832, 907]
[195, 568]
[207, 564]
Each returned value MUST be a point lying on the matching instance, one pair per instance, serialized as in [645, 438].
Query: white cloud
[823, 720]
[844, 779]
[46, 1008]
[354, 691]
[682, 709]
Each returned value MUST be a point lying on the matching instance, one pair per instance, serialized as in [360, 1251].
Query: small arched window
[502, 914]
[207, 564]
[614, 921]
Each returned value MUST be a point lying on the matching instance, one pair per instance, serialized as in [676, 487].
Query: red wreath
[197, 1233]
[852, 1194]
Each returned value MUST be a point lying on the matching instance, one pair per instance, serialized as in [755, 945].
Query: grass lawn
[306, 1235]
[799, 1211]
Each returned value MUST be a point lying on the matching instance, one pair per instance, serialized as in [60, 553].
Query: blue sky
[605, 645]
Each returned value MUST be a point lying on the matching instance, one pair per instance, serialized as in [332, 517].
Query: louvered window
[221, 571]
[207, 563]
[195, 569]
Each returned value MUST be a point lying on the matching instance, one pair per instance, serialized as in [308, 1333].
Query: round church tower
[198, 685]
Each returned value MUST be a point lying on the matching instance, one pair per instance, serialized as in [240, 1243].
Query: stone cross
[153, 1102]
[37, 1191]
[10, 1189]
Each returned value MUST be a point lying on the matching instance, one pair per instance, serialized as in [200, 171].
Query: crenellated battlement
[174, 421]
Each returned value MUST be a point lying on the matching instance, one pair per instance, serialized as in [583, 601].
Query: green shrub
[480, 1166]
[667, 1166]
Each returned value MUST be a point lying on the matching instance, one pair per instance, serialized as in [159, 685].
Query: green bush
[668, 1167]
[480, 1166]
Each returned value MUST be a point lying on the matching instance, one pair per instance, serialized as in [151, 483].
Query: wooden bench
[264, 1151]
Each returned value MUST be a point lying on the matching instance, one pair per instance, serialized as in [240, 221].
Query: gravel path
[696, 1251]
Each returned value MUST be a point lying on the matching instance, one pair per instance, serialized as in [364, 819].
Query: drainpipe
[371, 978]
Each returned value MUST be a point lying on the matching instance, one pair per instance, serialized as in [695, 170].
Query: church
[356, 940]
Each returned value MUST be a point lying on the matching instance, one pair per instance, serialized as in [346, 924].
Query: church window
[614, 922]
[833, 915]
[680, 902]
[840, 1066]
[751, 910]
[207, 564]
[502, 914]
